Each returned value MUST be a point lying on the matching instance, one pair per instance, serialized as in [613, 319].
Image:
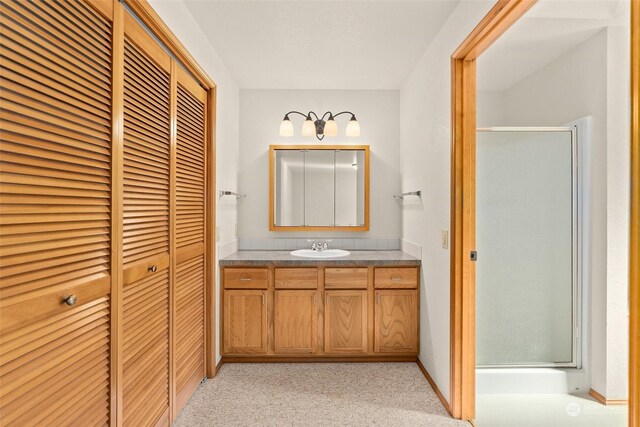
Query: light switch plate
[444, 238]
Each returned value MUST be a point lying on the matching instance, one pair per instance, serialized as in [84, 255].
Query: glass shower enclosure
[527, 243]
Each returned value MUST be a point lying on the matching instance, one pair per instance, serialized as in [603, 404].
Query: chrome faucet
[320, 246]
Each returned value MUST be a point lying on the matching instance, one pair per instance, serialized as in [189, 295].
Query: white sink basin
[328, 253]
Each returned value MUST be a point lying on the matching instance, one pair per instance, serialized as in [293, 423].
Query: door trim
[152, 20]
[463, 85]
[147, 16]
[463, 198]
[117, 216]
[634, 235]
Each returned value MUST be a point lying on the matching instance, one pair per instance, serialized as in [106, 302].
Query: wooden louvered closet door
[189, 326]
[55, 212]
[146, 242]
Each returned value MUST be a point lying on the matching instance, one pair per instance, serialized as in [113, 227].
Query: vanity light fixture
[320, 127]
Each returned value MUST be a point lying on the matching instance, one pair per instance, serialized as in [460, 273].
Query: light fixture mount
[322, 126]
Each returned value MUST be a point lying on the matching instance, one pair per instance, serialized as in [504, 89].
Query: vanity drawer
[396, 277]
[346, 278]
[296, 278]
[245, 278]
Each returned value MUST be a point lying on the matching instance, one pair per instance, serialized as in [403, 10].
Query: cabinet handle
[314, 298]
[326, 299]
[245, 279]
[152, 268]
[396, 279]
[263, 298]
[70, 300]
[377, 298]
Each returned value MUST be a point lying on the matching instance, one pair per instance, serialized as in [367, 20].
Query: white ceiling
[320, 44]
[549, 30]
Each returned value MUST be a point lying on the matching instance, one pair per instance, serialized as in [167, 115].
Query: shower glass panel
[526, 231]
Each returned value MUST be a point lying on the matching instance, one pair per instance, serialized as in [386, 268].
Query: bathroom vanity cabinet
[319, 310]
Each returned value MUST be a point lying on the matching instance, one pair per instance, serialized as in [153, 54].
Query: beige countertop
[356, 258]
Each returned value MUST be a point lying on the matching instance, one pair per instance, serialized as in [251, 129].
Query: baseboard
[316, 359]
[434, 386]
[603, 400]
[218, 366]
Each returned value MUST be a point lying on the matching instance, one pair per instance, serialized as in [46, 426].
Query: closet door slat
[146, 348]
[55, 213]
[148, 148]
[189, 297]
[145, 352]
[190, 157]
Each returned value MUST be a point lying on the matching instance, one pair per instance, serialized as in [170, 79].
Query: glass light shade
[353, 128]
[286, 128]
[331, 128]
[308, 128]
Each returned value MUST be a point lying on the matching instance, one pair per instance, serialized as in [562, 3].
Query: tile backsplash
[303, 243]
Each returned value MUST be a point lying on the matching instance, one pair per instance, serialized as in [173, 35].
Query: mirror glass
[289, 194]
[319, 188]
[349, 172]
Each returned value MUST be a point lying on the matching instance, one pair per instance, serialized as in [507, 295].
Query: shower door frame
[576, 256]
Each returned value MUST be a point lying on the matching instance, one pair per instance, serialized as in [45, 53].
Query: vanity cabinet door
[396, 321]
[295, 321]
[245, 322]
[345, 322]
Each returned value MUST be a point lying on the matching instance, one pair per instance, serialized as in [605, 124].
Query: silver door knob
[153, 268]
[70, 300]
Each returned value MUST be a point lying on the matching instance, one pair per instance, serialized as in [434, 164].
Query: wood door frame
[117, 215]
[463, 163]
[463, 187]
[152, 20]
[147, 15]
[156, 25]
[634, 235]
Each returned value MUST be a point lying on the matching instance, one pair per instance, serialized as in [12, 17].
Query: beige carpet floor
[316, 394]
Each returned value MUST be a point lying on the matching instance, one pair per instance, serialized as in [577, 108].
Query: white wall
[177, 17]
[591, 80]
[618, 211]
[490, 109]
[425, 146]
[260, 114]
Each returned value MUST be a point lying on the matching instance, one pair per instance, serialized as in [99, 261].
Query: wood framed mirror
[319, 188]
